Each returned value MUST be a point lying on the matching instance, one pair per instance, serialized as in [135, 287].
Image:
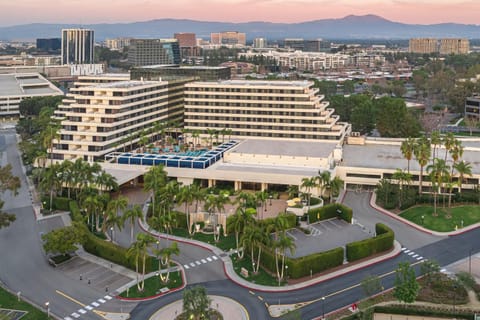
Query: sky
[14, 12]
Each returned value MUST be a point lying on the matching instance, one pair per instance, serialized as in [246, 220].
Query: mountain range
[349, 27]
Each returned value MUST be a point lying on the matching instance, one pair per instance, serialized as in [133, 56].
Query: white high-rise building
[77, 46]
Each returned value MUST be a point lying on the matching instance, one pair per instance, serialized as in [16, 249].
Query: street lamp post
[323, 307]
[270, 197]
[286, 273]
[423, 220]
[47, 306]
[111, 233]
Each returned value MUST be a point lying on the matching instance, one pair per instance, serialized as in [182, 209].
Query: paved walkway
[230, 309]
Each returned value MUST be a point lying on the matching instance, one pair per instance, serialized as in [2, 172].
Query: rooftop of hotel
[125, 84]
[388, 156]
[286, 148]
[26, 85]
[255, 83]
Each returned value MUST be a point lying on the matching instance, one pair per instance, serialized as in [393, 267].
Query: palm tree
[456, 152]
[335, 186]
[253, 238]
[165, 255]
[408, 148]
[323, 180]
[238, 222]
[51, 181]
[153, 180]
[437, 171]
[308, 184]
[435, 140]
[402, 177]
[422, 154]
[464, 169]
[244, 198]
[384, 187]
[186, 196]
[139, 249]
[112, 217]
[283, 244]
[105, 181]
[132, 215]
[292, 191]
[448, 143]
[198, 194]
[261, 197]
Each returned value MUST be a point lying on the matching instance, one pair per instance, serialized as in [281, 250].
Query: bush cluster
[381, 242]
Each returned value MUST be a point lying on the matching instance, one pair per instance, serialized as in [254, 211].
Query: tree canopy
[8, 182]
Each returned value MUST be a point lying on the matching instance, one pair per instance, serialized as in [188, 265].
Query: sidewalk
[230, 309]
[373, 204]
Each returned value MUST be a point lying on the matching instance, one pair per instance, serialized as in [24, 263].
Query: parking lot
[325, 235]
[99, 277]
[8, 314]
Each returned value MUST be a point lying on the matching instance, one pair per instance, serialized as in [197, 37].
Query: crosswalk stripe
[198, 262]
[82, 311]
[67, 318]
[214, 257]
[414, 256]
[75, 315]
[107, 297]
[101, 300]
[420, 258]
[203, 261]
[89, 308]
[95, 304]
[403, 249]
[209, 259]
[192, 264]
[411, 253]
[186, 267]
[406, 251]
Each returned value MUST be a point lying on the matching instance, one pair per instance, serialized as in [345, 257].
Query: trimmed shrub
[300, 267]
[331, 211]
[383, 241]
[424, 311]
[58, 203]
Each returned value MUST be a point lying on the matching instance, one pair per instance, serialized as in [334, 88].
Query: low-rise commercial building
[16, 87]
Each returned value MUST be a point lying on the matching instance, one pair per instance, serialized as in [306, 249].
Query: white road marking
[192, 264]
[95, 304]
[214, 257]
[414, 256]
[209, 259]
[75, 315]
[411, 253]
[107, 297]
[67, 318]
[198, 262]
[101, 300]
[420, 258]
[403, 249]
[203, 261]
[90, 308]
[186, 267]
[82, 311]
[406, 251]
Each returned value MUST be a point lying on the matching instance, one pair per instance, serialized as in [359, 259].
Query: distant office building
[117, 44]
[202, 73]
[454, 46]
[260, 43]
[77, 46]
[294, 43]
[472, 108]
[187, 42]
[443, 46]
[228, 38]
[145, 52]
[423, 45]
[15, 87]
[52, 45]
[316, 45]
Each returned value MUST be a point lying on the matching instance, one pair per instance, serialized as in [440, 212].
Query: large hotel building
[99, 118]
[262, 109]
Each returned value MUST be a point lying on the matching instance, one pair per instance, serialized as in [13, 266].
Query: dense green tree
[393, 120]
[8, 182]
[363, 114]
[64, 240]
[196, 303]
[406, 285]
[31, 107]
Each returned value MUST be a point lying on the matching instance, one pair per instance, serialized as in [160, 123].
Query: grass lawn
[447, 220]
[153, 285]
[9, 301]
[262, 277]
[224, 243]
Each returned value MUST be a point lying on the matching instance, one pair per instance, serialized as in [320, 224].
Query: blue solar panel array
[201, 161]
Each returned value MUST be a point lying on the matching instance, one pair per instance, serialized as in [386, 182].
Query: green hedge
[381, 242]
[58, 203]
[423, 311]
[300, 267]
[330, 211]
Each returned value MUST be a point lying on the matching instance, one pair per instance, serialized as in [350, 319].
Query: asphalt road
[23, 266]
